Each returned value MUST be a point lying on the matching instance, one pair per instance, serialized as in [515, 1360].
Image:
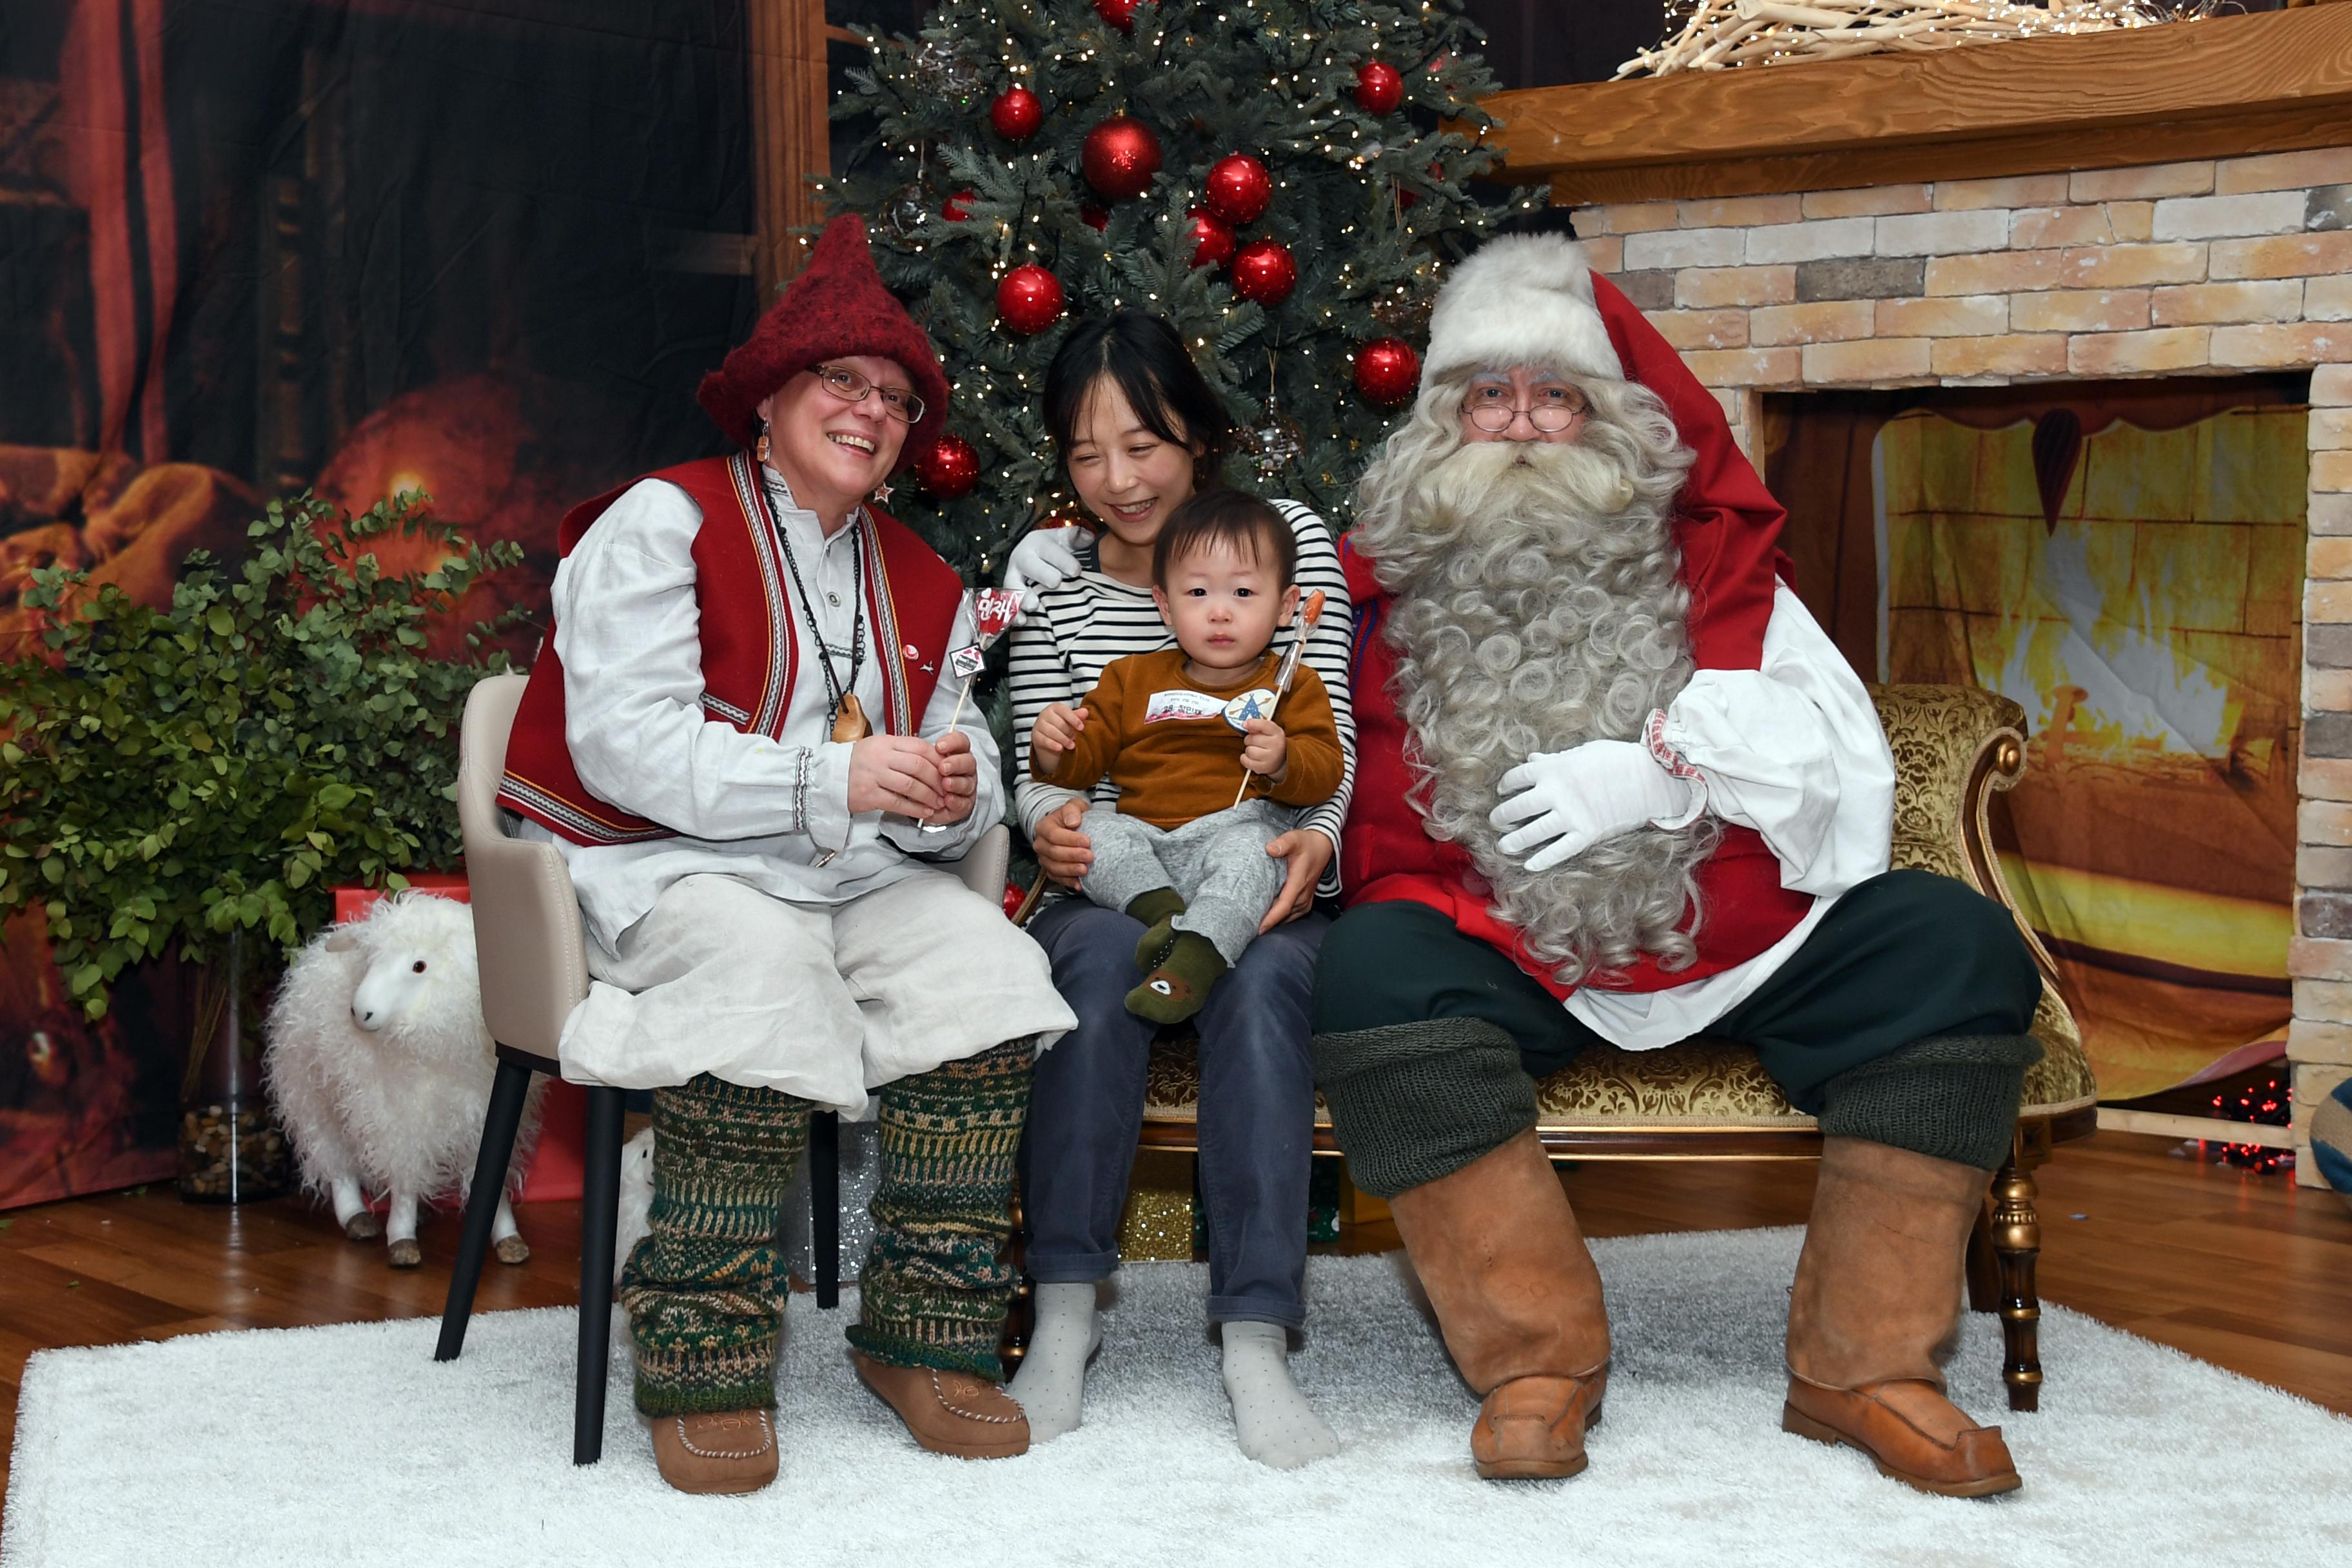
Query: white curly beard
[1538, 606]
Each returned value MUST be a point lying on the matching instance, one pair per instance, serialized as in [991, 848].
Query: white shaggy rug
[350, 1446]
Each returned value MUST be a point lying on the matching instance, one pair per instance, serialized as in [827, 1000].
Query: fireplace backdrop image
[256, 247]
[2127, 565]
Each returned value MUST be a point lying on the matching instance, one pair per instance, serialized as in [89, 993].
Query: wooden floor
[2245, 1271]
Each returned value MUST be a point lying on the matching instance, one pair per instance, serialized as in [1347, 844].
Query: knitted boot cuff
[1954, 1097]
[1414, 1102]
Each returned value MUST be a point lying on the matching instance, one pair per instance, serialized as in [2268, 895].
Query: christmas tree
[1283, 179]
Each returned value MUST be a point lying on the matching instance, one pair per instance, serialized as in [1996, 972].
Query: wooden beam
[2272, 82]
[790, 135]
[2210, 1129]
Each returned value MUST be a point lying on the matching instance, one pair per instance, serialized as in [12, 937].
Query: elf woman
[1139, 430]
[735, 734]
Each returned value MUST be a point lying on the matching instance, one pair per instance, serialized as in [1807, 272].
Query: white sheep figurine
[381, 1067]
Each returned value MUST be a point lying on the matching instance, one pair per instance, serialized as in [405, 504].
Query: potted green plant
[194, 779]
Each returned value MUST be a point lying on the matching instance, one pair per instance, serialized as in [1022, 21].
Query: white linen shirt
[1793, 749]
[766, 812]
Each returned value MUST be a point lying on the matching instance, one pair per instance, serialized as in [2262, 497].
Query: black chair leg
[498, 1125]
[600, 1198]
[824, 1206]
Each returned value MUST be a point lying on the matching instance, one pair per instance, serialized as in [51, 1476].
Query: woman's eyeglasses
[850, 387]
[1550, 408]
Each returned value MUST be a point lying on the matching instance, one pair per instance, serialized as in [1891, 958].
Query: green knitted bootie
[1157, 911]
[1177, 987]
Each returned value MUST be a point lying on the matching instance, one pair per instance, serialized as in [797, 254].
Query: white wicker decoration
[1716, 34]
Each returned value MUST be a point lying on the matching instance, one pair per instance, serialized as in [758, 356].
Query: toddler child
[1175, 730]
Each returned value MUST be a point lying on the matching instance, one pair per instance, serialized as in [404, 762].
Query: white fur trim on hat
[1523, 299]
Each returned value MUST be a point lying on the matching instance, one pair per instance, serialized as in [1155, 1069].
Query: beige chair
[1708, 1100]
[534, 967]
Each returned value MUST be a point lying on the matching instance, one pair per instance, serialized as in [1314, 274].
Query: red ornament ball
[1211, 237]
[950, 469]
[957, 207]
[1264, 272]
[1121, 156]
[1016, 115]
[1119, 14]
[1240, 189]
[1386, 370]
[1029, 299]
[1093, 217]
[1380, 86]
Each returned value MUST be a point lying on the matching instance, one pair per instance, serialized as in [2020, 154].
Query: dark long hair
[1142, 356]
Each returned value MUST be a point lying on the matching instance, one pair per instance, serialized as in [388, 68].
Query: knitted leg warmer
[1953, 1097]
[935, 1287]
[702, 1289]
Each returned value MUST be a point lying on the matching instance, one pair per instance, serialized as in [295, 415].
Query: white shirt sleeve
[1794, 751]
[988, 797]
[628, 631]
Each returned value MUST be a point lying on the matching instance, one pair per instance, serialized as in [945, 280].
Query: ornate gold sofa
[1707, 1099]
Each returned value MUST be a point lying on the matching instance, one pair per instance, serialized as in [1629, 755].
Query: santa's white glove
[1572, 800]
[1043, 559]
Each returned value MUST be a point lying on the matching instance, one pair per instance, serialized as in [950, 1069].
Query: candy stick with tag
[1308, 614]
[994, 610]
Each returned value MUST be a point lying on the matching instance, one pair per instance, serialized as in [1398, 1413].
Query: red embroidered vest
[750, 649]
[1727, 526]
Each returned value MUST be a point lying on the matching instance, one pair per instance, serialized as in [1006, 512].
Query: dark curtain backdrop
[485, 247]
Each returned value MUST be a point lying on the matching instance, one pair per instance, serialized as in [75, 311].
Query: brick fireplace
[1775, 262]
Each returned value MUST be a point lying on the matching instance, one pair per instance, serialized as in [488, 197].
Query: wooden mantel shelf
[2270, 82]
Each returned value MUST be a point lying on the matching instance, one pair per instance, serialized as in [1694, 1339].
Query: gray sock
[1051, 1384]
[1275, 1425]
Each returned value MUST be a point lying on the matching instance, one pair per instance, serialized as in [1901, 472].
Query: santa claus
[1615, 786]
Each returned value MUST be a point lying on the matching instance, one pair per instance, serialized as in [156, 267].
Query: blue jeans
[1256, 1115]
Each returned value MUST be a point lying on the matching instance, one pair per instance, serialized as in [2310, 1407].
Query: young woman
[1137, 430]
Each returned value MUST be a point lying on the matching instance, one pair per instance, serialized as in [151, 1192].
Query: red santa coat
[1728, 529]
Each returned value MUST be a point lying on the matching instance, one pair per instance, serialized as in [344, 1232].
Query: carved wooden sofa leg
[2016, 1244]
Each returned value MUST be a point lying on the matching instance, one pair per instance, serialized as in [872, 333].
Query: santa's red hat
[835, 308]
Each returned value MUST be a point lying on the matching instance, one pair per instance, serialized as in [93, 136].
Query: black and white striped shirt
[1059, 655]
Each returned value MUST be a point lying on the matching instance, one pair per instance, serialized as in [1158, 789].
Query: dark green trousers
[1904, 957]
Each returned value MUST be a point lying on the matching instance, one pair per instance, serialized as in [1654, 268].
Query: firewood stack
[1716, 34]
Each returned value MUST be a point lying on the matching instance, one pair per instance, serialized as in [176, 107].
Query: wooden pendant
[850, 724]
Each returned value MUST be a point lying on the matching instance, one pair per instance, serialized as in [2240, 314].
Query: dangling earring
[759, 448]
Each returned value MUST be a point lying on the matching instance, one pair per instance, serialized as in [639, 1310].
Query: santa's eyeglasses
[1549, 409]
[850, 387]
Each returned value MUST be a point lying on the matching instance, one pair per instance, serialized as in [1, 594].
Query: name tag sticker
[965, 662]
[1180, 704]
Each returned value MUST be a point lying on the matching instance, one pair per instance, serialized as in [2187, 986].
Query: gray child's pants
[1216, 863]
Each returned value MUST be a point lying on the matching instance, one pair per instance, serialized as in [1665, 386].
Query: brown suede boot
[1877, 1295]
[1519, 1299]
[716, 1453]
[950, 1413]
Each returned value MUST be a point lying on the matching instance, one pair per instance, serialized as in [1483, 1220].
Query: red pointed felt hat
[837, 307]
